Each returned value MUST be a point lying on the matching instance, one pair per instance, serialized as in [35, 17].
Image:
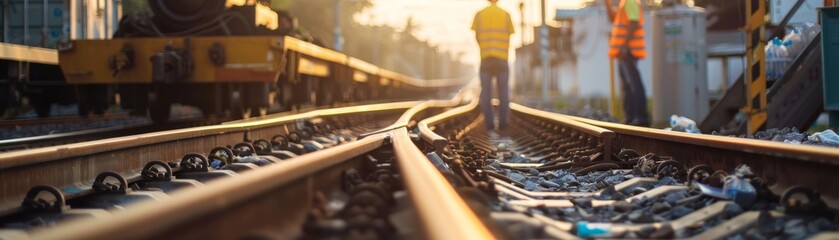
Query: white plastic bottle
[680, 122]
[796, 44]
[771, 58]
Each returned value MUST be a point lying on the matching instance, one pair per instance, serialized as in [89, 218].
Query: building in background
[580, 69]
[563, 59]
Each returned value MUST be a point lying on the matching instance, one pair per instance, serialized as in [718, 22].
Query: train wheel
[159, 108]
[42, 108]
[92, 98]
[101, 99]
[83, 107]
[285, 96]
[99, 108]
[135, 98]
[8, 97]
[255, 111]
[237, 108]
[256, 98]
[82, 101]
[326, 94]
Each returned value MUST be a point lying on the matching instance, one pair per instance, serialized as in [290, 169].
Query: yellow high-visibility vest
[493, 27]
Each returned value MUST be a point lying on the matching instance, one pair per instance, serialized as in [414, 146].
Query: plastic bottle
[770, 59]
[788, 56]
[679, 122]
[739, 189]
[438, 162]
[795, 42]
[594, 230]
[809, 31]
[776, 58]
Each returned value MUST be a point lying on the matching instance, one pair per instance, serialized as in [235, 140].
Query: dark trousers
[634, 97]
[498, 69]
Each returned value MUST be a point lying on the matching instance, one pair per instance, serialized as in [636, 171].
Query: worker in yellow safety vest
[627, 45]
[493, 27]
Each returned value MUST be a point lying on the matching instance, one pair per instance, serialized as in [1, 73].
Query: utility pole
[521, 10]
[339, 40]
[376, 54]
[543, 44]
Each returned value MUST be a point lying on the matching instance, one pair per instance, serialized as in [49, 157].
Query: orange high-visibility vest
[621, 34]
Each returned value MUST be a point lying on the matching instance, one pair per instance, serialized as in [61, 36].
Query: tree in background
[384, 46]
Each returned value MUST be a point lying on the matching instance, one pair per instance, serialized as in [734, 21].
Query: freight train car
[31, 30]
[226, 57]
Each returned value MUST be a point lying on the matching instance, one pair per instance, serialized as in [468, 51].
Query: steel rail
[444, 215]
[13, 159]
[437, 141]
[826, 236]
[59, 119]
[237, 195]
[93, 134]
[564, 120]
[603, 135]
[464, 95]
[79, 163]
[780, 164]
[816, 154]
[225, 209]
[70, 137]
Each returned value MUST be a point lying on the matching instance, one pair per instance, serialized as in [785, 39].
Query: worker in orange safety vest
[627, 45]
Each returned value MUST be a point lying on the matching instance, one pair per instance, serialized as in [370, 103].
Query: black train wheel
[159, 108]
[42, 108]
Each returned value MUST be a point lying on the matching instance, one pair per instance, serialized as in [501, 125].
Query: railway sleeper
[367, 207]
[571, 190]
[47, 206]
[355, 192]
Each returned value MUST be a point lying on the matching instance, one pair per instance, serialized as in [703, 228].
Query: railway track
[418, 169]
[15, 122]
[555, 176]
[97, 134]
[297, 160]
[139, 127]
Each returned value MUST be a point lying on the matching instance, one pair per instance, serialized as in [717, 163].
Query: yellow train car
[228, 75]
[213, 73]
[222, 66]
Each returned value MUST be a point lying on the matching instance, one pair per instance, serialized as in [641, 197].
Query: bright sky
[446, 23]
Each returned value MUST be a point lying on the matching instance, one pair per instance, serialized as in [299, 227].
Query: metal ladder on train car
[794, 100]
